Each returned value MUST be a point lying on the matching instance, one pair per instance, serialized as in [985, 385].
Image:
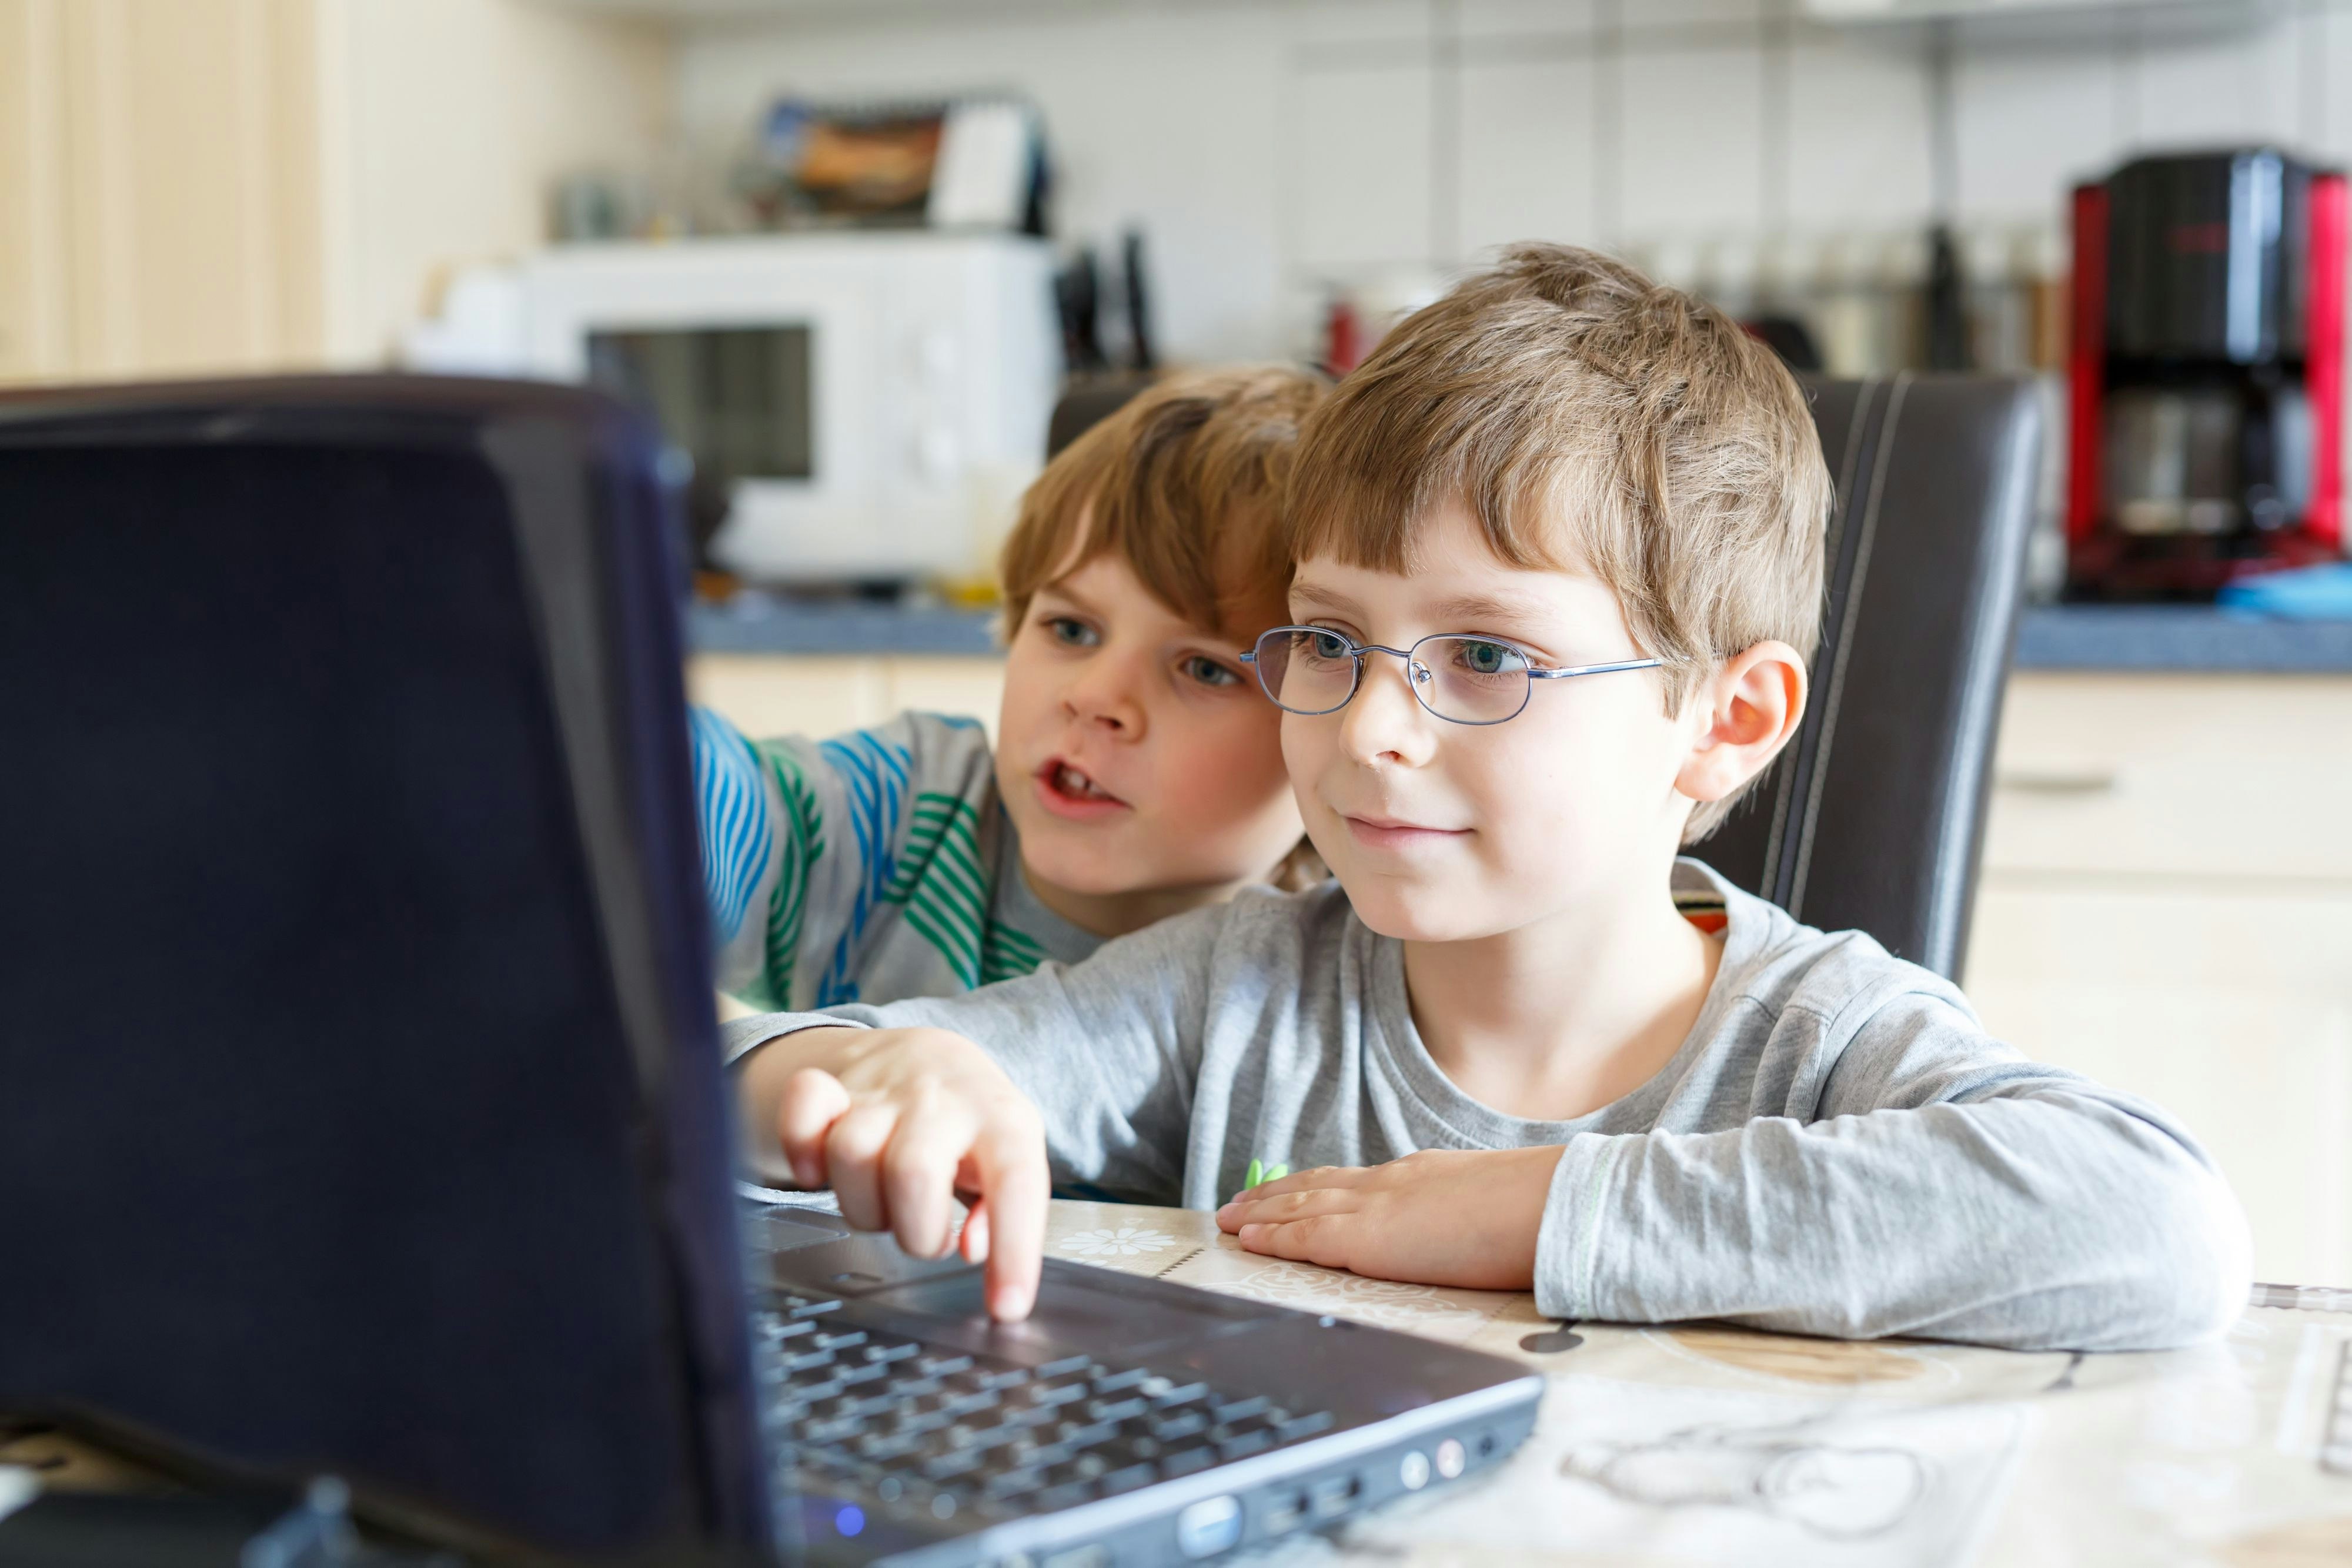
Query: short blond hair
[1589, 419]
[1183, 481]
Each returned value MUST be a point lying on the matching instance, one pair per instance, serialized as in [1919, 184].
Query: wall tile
[1357, 192]
[1690, 151]
[1527, 152]
[2214, 91]
[2030, 124]
[1526, 19]
[1642, 16]
[2330, 119]
[1858, 135]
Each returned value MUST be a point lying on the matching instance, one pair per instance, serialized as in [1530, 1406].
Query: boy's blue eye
[1071, 634]
[1328, 645]
[1209, 673]
[1485, 658]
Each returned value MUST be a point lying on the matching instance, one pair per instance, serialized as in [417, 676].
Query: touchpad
[1078, 1309]
[785, 1229]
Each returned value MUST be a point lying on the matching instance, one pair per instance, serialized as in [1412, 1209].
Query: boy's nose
[1383, 722]
[1106, 695]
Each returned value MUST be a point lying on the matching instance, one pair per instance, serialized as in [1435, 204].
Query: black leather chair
[1873, 817]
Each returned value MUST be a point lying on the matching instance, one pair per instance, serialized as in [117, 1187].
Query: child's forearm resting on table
[899, 1124]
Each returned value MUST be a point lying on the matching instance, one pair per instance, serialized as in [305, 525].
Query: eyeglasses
[1461, 679]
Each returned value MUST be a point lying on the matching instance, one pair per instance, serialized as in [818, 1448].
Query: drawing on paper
[1796, 1472]
[1119, 1241]
[1383, 1303]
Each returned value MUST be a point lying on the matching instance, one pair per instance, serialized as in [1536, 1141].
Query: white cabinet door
[2166, 906]
[821, 694]
[160, 200]
[2231, 1010]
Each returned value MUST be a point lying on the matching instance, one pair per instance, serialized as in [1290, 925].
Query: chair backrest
[1874, 818]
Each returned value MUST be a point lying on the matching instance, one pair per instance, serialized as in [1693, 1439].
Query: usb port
[1333, 1496]
[1286, 1512]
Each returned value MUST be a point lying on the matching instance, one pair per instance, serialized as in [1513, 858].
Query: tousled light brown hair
[1183, 481]
[1589, 419]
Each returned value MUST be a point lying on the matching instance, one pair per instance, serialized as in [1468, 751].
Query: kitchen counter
[2052, 637]
[857, 628]
[2178, 638]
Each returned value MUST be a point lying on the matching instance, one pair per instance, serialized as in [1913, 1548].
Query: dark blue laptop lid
[363, 1106]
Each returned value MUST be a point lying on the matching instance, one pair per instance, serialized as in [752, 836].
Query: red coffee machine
[2205, 439]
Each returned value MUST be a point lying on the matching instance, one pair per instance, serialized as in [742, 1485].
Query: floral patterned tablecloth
[1700, 1442]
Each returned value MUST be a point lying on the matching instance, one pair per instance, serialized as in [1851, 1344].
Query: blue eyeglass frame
[1418, 674]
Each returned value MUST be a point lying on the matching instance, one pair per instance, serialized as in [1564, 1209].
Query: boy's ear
[1745, 713]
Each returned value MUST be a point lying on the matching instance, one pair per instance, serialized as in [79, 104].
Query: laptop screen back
[348, 948]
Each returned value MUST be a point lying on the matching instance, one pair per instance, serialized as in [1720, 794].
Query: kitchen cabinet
[825, 693]
[2165, 904]
[199, 187]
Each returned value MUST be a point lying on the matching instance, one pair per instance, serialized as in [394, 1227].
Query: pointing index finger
[1013, 1189]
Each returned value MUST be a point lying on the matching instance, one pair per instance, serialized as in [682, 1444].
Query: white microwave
[872, 403]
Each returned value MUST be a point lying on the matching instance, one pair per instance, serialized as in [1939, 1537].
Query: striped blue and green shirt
[873, 867]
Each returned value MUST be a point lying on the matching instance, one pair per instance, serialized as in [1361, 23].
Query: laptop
[365, 1114]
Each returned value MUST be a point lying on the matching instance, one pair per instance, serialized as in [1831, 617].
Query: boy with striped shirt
[1138, 773]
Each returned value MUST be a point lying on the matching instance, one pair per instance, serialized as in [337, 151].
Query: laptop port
[1287, 1511]
[1333, 1496]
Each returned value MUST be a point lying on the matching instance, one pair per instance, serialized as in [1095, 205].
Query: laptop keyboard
[924, 1430]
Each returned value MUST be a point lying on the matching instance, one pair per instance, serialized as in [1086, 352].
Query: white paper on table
[1713, 1474]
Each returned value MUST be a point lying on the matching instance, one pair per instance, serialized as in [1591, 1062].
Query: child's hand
[899, 1122]
[1441, 1217]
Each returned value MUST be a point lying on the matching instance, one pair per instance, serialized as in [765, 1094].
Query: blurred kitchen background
[851, 252]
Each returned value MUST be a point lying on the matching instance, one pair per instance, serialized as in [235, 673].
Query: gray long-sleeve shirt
[1838, 1147]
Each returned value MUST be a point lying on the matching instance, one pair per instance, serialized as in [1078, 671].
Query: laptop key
[807, 1360]
[1056, 1393]
[1180, 1393]
[1184, 1461]
[921, 1421]
[1129, 1478]
[1067, 1365]
[1069, 1494]
[842, 1340]
[1170, 1429]
[955, 1462]
[1088, 1435]
[1115, 1409]
[1306, 1426]
[1239, 1410]
[1014, 1481]
[936, 1366]
[1043, 1453]
[811, 1309]
[1241, 1445]
[1112, 1382]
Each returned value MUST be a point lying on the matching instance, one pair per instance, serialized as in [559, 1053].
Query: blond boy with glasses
[1559, 569]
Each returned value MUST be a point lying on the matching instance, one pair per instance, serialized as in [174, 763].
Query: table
[1706, 1442]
